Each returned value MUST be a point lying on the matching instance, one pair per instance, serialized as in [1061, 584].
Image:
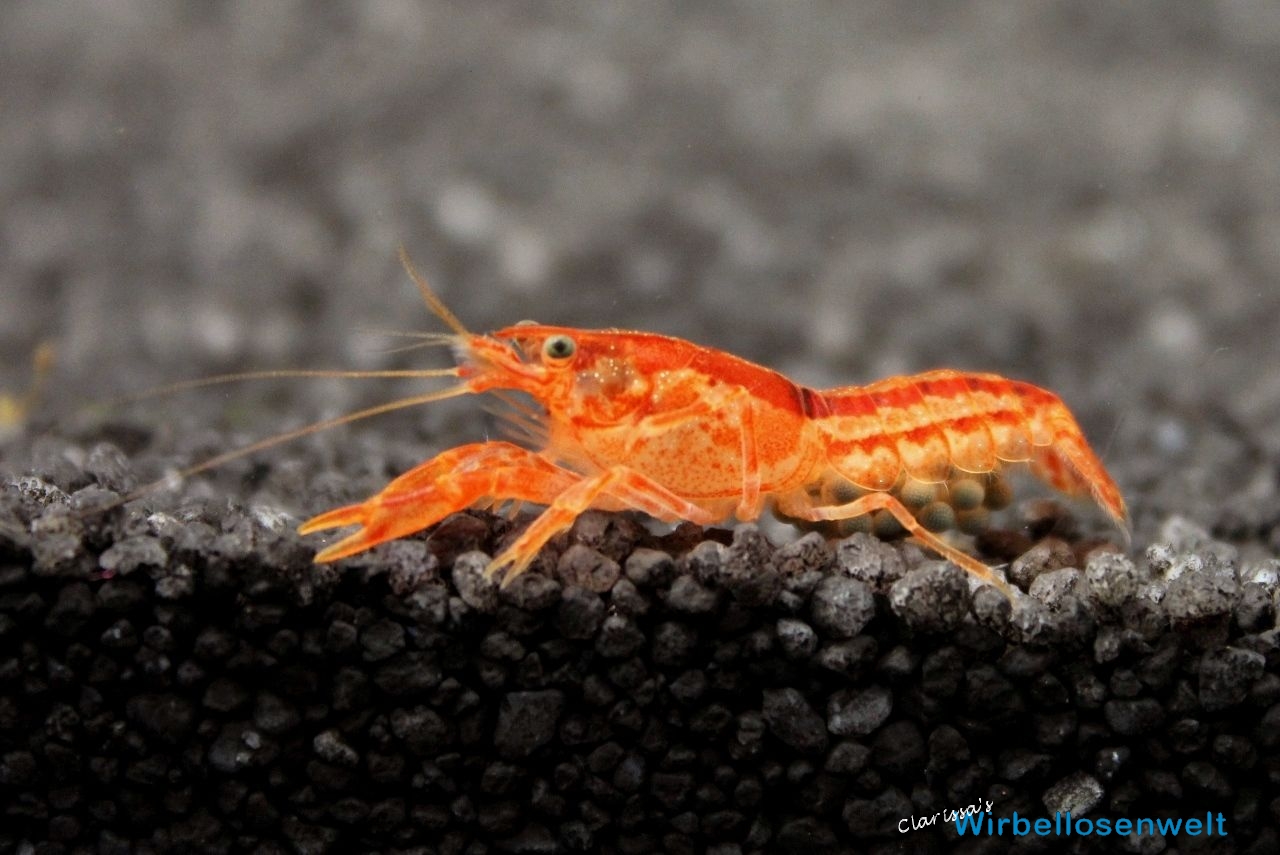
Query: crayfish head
[578, 375]
[531, 358]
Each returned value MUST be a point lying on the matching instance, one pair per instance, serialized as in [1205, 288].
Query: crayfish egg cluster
[963, 502]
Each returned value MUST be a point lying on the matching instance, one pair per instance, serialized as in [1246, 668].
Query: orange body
[633, 420]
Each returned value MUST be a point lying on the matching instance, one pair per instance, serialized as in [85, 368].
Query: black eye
[558, 347]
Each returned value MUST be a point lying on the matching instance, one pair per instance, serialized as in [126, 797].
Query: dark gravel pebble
[802, 555]
[796, 638]
[1078, 793]
[690, 597]
[648, 568]
[748, 571]
[56, 542]
[870, 560]
[619, 636]
[1114, 579]
[580, 613]
[1200, 603]
[858, 712]
[583, 567]
[899, 749]
[527, 721]
[842, 607]
[532, 592]
[1226, 676]
[1134, 717]
[704, 563]
[473, 588]
[793, 720]
[1045, 557]
[382, 640]
[626, 598]
[932, 598]
[126, 556]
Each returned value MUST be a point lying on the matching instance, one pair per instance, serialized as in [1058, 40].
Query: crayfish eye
[558, 348]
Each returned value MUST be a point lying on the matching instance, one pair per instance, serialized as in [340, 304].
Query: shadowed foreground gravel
[177, 676]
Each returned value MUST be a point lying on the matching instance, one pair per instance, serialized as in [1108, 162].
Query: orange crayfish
[635, 420]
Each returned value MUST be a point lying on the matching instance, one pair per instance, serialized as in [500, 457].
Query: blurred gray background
[1086, 196]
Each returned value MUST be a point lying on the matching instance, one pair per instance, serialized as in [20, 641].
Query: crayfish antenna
[280, 439]
[420, 339]
[276, 374]
[433, 301]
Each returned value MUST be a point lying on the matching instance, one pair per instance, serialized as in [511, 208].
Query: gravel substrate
[176, 676]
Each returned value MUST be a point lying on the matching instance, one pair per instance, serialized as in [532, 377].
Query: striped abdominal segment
[925, 426]
[938, 443]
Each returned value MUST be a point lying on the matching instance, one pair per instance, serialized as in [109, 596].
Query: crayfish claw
[336, 518]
